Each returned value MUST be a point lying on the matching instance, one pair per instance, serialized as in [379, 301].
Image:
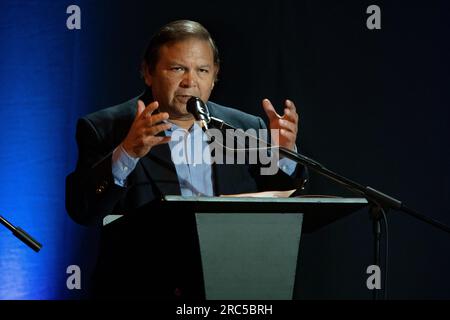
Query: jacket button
[100, 189]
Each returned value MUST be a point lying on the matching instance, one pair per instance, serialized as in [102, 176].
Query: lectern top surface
[312, 199]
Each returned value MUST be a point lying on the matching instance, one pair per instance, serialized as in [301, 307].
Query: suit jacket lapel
[222, 175]
[161, 170]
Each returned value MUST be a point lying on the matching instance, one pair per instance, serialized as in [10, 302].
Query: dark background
[373, 104]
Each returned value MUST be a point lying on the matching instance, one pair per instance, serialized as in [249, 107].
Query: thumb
[270, 110]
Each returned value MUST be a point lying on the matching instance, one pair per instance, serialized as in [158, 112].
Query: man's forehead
[187, 48]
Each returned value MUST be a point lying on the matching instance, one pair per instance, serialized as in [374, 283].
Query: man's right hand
[143, 132]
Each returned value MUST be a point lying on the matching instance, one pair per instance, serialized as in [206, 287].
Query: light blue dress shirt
[190, 159]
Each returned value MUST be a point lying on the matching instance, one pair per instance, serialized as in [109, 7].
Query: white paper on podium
[264, 194]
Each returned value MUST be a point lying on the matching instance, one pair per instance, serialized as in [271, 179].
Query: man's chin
[179, 111]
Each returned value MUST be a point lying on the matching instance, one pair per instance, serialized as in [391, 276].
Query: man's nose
[189, 80]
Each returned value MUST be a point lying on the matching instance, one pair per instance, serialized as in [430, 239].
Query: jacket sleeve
[90, 190]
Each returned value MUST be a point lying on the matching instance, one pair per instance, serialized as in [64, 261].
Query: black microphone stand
[379, 202]
[22, 235]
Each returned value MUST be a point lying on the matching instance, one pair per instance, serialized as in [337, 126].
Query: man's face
[184, 69]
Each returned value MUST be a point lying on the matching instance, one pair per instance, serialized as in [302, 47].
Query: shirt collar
[195, 127]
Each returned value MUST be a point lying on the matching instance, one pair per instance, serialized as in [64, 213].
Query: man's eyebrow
[178, 63]
[171, 63]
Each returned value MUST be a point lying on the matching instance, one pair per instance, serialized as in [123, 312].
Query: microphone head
[199, 109]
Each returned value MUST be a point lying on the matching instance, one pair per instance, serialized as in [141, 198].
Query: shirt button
[125, 168]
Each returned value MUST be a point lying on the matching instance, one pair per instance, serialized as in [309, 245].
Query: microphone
[199, 110]
[22, 235]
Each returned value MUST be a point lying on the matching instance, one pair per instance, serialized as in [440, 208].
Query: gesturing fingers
[290, 112]
[156, 119]
[154, 130]
[270, 110]
[288, 125]
[151, 124]
[289, 105]
[140, 108]
[149, 109]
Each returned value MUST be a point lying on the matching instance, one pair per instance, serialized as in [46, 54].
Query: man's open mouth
[183, 98]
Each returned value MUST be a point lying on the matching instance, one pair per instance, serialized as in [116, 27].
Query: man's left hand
[287, 124]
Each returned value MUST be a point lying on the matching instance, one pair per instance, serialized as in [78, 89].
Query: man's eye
[177, 69]
[204, 70]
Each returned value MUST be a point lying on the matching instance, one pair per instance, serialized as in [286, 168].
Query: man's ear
[216, 73]
[146, 74]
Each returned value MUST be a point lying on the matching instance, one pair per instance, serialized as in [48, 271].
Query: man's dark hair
[173, 32]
